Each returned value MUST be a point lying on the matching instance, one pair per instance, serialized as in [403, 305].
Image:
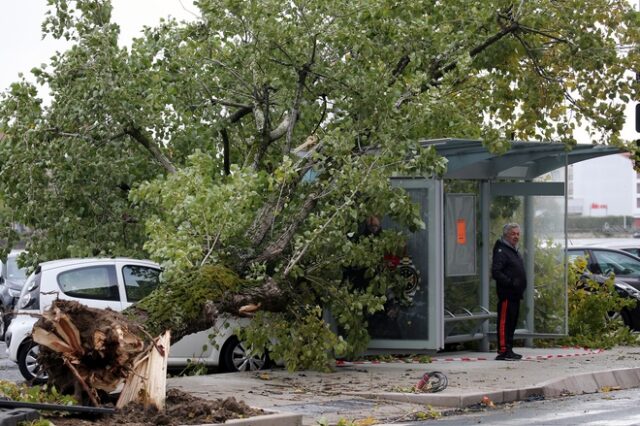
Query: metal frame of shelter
[423, 327]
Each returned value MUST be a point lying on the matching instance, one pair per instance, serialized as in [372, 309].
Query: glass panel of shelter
[407, 317]
[543, 310]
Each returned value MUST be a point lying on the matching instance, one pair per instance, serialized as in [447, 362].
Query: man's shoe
[507, 357]
[515, 355]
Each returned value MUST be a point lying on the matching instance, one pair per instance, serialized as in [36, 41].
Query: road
[8, 369]
[619, 408]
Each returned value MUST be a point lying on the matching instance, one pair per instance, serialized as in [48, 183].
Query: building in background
[605, 186]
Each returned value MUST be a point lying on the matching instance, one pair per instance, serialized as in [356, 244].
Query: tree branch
[295, 108]
[226, 149]
[440, 72]
[141, 137]
[271, 208]
[215, 101]
[296, 257]
[226, 162]
[544, 34]
[237, 116]
[282, 128]
[276, 247]
[400, 67]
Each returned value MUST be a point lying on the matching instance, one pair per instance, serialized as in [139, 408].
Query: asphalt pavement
[8, 369]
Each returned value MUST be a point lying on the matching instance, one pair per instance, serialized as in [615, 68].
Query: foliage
[301, 342]
[193, 368]
[430, 414]
[40, 394]
[39, 422]
[34, 394]
[187, 297]
[258, 138]
[368, 421]
[550, 292]
[183, 224]
[590, 305]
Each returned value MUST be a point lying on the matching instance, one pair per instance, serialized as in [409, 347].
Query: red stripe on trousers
[502, 335]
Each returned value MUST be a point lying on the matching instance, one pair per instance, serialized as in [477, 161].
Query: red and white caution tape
[582, 352]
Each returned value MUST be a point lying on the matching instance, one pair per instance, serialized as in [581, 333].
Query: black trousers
[508, 311]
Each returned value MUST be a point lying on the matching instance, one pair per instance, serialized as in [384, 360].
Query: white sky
[23, 48]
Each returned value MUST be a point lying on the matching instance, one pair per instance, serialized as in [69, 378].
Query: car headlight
[29, 301]
[630, 290]
[32, 285]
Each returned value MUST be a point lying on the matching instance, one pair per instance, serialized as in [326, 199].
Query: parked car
[12, 278]
[630, 316]
[116, 283]
[630, 245]
[603, 261]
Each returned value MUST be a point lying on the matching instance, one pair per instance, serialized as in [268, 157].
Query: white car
[115, 283]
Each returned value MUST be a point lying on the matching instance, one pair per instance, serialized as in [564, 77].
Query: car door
[625, 266]
[94, 285]
[138, 280]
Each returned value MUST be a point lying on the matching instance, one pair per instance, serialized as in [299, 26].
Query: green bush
[590, 306]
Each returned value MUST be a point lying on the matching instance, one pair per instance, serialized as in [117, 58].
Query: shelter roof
[469, 159]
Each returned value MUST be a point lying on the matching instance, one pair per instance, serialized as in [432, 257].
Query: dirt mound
[181, 409]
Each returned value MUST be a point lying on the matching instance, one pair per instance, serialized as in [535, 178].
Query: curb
[570, 385]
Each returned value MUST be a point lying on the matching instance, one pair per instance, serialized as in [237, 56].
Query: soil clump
[181, 409]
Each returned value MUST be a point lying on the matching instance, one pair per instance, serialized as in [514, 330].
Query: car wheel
[614, 316]
[234, 357]
[631, 318]
[28, 363]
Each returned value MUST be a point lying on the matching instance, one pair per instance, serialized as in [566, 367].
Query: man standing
[511, 280]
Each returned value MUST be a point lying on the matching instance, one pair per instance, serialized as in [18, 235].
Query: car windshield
[618, 263]
[13, 271]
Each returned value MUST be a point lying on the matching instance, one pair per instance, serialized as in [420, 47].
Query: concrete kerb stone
[436, 399]
[529, 392]
[578, 384]
[605, 379]
[575, 384]
[627, 378]
[440, 400]
[274, 419]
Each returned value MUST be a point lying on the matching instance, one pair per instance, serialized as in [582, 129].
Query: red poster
[461, 231]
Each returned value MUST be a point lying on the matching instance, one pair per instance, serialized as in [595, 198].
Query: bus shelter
[464, 211]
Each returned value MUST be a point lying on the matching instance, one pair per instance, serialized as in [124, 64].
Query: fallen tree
[244, 150]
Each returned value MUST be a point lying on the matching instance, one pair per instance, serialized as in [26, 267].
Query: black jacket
[508, 271]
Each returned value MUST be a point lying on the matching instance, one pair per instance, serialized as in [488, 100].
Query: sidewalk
[383, 391]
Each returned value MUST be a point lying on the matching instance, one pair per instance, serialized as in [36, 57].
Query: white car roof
[52, 264]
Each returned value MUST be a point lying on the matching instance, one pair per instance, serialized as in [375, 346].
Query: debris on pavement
[433, 381]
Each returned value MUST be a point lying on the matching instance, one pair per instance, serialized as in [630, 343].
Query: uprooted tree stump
[90, 352]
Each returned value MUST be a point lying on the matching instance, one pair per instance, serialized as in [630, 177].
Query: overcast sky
[22, 45]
